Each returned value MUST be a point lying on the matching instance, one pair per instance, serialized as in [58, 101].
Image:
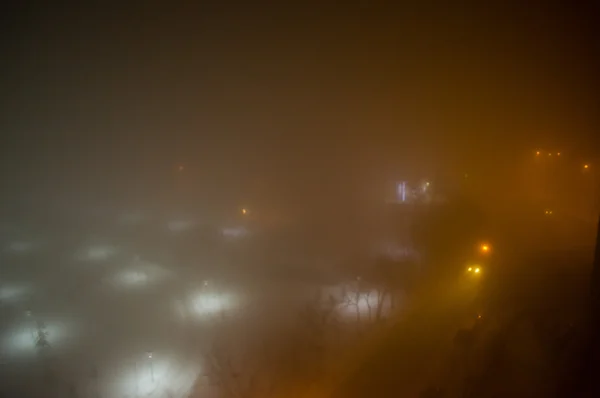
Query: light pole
[29, 316]
[151, 366]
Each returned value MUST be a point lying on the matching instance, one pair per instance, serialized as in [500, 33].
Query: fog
[230, 200]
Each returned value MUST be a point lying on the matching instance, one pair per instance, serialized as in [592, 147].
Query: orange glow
[485, 248]
[586, 166]
[558, 154]
[537, 153]
[244, 211]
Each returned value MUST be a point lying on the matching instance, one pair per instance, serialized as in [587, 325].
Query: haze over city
[230, 199]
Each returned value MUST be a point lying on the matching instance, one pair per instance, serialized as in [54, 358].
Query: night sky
[287, 101]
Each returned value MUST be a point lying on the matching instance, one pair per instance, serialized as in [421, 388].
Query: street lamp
[484, 248]
[29, 315]
[474, 269]
[151, 366]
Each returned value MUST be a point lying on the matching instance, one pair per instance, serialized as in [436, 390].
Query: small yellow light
[558, 154]
[476, 270]
[244, 211]
[586, 166]
[470, 269]
[478, 316]
[537, 153]
[485, 248]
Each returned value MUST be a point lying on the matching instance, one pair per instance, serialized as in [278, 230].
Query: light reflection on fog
[234, 232]
[97, 253]
[163, 375]
[140, 275]
[20, 341]
[20, 247]
[363, 305]
[206, 302]
[14, 292]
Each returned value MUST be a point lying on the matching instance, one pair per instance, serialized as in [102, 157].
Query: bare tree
[284, 360]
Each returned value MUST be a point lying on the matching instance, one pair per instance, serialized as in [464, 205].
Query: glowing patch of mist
[181, 225]
[394, 251]
[97, 253]
[163, 375]
[20, 247]
[140, 276]
[20, 342]
[207, 303]
[234, 232]
[363, 305]
[131, 278]
[12, 293]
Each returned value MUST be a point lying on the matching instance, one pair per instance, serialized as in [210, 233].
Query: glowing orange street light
[485, 248]
[586, 166]
[244, 211]
[474, 269]
[537, 153]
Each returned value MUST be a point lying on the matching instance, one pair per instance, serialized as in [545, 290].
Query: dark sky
[249, 94]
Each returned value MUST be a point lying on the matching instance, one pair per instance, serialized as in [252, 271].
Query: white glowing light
[12, 293]
[212, 303]
[401, 191]
[234, 232]
[97, 253]
[131, 277]
[21, 341]
[161, 375]
[363, 306]
[142, 275]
